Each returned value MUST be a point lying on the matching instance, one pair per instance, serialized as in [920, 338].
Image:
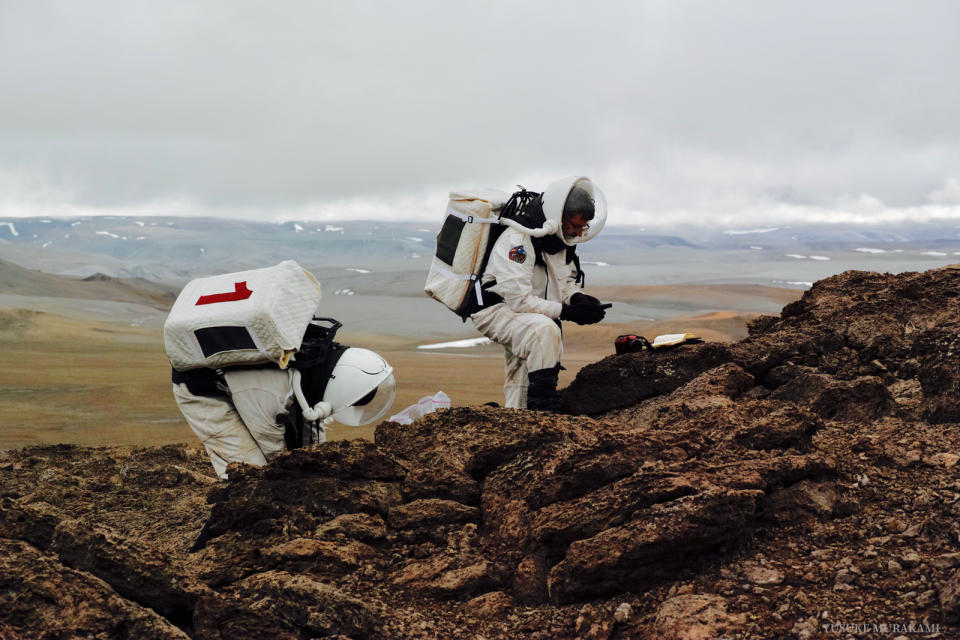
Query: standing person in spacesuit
[530, 284]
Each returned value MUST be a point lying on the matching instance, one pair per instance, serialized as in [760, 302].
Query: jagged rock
[148, 577]
[806, 629]
[431, 512]
[625, 380]
[694, 617]
[489, 604]
[338, 459]
[442, 482]
[816, 498]
[787, 449]
[306, 487]
[450, 576]
[145, 576]
[623, 613]
[41, 597]
[761, 324]
[942, 459]
[864, 399]
[361, 526]
[310, 606]
[34, 522]
[229, 617]
[328, 557]
[937, 352]
[649, 550]
[530, 579]
[946, 561]
[712, 409]
[593, 623]
[471, 441]
[759, 574]
[950, 599]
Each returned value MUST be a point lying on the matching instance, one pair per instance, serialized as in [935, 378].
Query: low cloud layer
[725, 112]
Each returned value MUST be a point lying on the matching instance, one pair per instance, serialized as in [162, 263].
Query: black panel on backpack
[217, 339]
[448, 238]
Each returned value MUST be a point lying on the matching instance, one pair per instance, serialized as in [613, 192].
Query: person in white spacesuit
[243, 414]
[530, 284]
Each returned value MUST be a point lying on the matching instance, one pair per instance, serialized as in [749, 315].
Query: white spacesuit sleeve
[512, 263]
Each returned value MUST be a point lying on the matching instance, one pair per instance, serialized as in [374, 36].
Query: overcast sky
[737, 113]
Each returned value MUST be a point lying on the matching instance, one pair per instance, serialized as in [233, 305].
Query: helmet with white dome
[574, 195]
[361, 388]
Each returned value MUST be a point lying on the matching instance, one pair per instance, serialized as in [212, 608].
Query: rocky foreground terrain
[801, 483]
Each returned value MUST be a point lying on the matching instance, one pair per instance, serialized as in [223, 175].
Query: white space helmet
[562, 193]
[361, 387]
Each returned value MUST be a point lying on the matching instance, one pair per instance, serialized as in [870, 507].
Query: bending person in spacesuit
[244, 416]
[531, 284]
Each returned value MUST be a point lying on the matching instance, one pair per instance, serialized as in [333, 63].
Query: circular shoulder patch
[518, 254]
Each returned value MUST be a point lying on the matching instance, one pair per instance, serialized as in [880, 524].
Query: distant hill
[16, 280]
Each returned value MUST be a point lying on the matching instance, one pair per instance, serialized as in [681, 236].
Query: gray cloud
[701, 109]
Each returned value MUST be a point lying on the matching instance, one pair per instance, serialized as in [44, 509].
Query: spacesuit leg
[531, 341]
[262, 397]
[220, 429]
[515, 380]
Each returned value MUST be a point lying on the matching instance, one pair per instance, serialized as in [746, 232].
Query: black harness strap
[572, 256]
[210, 382]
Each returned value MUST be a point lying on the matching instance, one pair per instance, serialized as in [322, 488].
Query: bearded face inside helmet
[577, 207]
[578, 211]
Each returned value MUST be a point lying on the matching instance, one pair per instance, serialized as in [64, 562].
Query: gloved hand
[584, 313]
[581, 298]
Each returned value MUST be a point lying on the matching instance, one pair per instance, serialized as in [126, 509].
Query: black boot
[542, 392]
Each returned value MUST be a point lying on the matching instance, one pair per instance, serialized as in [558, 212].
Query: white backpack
[247, 317]
[474, 221]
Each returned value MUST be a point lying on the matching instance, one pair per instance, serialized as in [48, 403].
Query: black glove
[581, 298]
[588, 313]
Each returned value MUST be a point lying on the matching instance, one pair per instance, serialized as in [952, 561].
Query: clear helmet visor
[567, 196]
[361, 388]
[372, 407]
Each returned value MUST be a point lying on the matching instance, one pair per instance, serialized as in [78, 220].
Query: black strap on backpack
[572, 256]
[315, 360]
[211, 382]
[524, 207]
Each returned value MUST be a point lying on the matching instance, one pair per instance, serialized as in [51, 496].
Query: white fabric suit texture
[533, 297]
[246, 427]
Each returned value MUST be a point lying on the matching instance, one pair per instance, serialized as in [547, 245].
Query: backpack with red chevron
[247, 317]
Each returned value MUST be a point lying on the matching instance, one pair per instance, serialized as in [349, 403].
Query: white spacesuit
[243, 416]
[247, 425]
[531, 284]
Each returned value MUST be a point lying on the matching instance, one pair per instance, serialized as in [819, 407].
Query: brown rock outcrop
[736, 489]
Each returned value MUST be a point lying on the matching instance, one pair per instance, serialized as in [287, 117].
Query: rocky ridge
[798, 483]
